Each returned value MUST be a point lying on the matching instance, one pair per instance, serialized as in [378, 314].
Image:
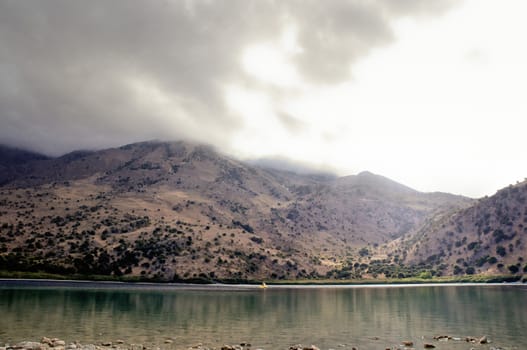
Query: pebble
[29, 345]
[300, 347]
[89, 347]
[442, 337]
[312, 347]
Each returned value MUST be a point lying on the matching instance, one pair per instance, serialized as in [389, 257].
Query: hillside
[181, 211]
[14, 163]
[489, 237]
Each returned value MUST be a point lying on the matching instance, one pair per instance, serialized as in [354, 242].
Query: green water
[275, 318]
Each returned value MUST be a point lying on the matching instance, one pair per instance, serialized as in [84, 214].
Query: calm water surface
[275, 318]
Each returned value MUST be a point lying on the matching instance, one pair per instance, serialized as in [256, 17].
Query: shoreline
[170, 343]
[5, 274]
[90, 284]
[464, 279]
[196, 283]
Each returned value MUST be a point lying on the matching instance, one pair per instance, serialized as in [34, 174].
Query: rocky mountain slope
[488, 237]
[182, 211]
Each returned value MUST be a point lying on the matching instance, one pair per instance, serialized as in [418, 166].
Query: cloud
[102, 73]
[293, 125]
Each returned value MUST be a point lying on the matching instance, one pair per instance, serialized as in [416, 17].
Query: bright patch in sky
[271, 63]
[443, 108]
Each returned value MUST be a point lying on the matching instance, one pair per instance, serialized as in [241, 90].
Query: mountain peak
[366, 173]
[377, 183]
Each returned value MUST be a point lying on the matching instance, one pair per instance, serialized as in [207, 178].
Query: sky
[428, 93]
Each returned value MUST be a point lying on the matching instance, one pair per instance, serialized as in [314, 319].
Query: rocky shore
[437, 342]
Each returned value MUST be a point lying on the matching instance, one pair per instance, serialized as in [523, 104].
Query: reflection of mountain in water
[274, 318]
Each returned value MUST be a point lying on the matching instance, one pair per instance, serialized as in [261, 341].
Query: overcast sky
[429, 93]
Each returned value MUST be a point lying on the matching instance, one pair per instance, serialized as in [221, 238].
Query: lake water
[275, 318]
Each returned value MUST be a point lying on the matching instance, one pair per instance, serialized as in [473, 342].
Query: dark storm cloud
[91, 74]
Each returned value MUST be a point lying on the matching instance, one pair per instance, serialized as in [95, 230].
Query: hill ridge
[183, 210]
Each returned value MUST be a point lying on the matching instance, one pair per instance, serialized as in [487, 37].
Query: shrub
[500, 250]
[472, 245]
[425, 275]
[498, 235]
[481, 261]
[364, 252]
[257, 240]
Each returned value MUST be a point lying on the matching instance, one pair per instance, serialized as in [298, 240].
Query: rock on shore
[59, 344]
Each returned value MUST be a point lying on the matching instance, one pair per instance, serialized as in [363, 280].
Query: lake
[331, 317]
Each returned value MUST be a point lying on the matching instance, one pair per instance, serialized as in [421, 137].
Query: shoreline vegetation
[14, 275]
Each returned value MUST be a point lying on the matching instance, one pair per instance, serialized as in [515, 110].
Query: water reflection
[275, 318]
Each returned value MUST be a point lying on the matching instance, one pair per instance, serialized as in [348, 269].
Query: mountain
[183, 211]
[14, 161]
[488, 237]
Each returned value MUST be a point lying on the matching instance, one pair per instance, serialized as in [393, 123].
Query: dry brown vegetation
[178, 210]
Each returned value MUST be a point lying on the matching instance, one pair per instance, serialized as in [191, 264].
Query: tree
[513, 268]
[501, 251]
[364, 251]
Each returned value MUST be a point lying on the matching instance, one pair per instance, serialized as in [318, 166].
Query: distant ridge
[16, 156]
[13, 162]
[287, 165]
[373, 181]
